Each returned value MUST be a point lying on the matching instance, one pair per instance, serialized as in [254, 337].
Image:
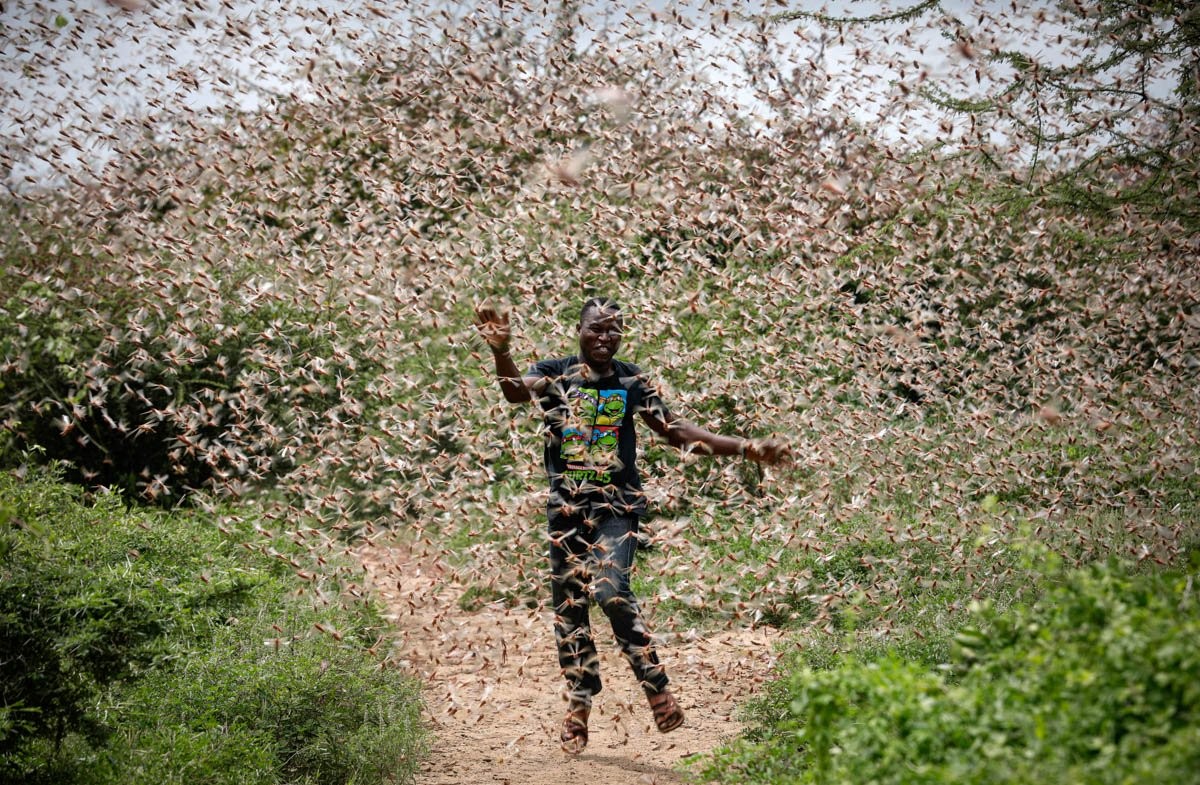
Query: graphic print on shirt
[591, 435]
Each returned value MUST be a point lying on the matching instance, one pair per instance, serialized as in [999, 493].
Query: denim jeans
[590, 559]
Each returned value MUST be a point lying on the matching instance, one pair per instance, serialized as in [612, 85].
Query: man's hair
[599, 304]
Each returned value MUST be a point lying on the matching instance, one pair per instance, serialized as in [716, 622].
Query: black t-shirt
[591, 442]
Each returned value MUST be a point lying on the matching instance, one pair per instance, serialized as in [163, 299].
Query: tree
[1104, 116]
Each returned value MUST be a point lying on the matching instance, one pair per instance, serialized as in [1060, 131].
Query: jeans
[590, 559]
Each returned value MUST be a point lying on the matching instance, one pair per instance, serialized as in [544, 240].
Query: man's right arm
[516, 388]
[494, 327]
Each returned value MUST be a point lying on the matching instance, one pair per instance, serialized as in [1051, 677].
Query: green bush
[86, 598]
[143, 385]
[140, 646]
[1097, 681]
[312, 710]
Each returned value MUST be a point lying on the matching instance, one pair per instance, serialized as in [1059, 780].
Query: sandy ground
[493, 695]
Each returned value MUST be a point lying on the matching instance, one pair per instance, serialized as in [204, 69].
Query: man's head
[600, 329]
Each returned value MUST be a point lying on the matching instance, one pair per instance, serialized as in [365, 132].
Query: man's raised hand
[493, 326]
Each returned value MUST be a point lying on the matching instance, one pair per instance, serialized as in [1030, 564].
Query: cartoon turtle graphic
[574, 445]
[604, 446]
[612, 410]
[585, 405]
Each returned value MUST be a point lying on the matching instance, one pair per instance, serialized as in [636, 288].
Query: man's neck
[598, 371]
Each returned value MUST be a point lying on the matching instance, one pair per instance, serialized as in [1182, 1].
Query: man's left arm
[684, 434]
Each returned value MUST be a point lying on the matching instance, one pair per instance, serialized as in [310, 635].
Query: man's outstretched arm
[495, 329]
[683, 434]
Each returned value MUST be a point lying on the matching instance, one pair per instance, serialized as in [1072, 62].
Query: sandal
[667, 714]
[574, 736]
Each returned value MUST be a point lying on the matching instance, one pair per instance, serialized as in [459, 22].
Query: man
[596, 498]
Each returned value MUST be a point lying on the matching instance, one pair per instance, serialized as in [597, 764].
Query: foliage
[281, 307]
[1105, 120]
[69, 628]
[1093, 681]
[166, 383]
[145, 647]
[247, 709]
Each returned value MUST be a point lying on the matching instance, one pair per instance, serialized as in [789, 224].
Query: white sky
[74, 74]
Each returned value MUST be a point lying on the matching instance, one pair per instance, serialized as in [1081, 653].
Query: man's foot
[574, 736]
[667, 714]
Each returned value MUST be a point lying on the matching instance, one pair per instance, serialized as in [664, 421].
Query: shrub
[311, 710]
[1097, 681]
[84, 602]
[140, 646]
[160, 386]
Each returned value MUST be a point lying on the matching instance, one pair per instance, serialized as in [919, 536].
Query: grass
[955, 386]
[181, 650]
[1087, 679]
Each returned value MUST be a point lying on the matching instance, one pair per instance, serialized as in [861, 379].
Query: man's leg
[569, 578]
[613, 552]
[616, 542]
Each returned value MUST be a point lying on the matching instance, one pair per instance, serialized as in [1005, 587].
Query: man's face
[600, 336]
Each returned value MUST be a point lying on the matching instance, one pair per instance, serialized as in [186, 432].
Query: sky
[79, 78]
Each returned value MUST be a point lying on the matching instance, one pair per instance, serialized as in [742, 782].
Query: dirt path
[493, 686]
